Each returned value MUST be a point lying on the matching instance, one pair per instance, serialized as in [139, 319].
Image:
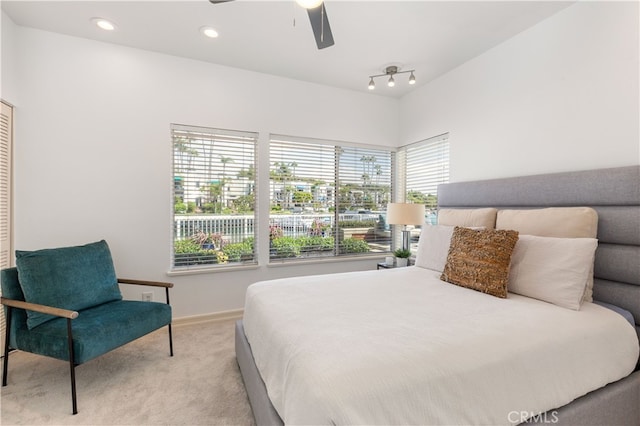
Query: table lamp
[405, 214]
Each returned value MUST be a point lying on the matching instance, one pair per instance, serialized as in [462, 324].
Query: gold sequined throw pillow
[479, 259]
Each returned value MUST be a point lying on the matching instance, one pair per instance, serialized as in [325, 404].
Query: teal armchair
[65, 303]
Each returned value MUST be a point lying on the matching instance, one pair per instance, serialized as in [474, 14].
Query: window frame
[411, 157]
[237, 152]
[329, 153]
[398, 169]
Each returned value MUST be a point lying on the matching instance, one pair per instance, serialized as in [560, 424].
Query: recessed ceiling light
[104, 24]
[209, 32]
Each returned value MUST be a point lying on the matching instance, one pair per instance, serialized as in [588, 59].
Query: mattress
[399, 346]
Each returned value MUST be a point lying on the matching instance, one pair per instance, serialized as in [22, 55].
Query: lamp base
[406, 235]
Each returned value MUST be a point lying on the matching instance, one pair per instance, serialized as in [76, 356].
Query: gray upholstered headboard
[613, 193]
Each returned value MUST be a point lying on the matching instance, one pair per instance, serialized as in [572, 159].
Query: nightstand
[382, 265]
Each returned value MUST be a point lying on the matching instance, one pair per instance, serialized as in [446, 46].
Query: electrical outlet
[147, 296]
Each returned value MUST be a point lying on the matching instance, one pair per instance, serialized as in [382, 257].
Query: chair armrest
[144, 282]
[50, 310]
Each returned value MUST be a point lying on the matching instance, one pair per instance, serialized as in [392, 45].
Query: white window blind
[327, 198]
[427, 166]
[214, 190]
[423, 166]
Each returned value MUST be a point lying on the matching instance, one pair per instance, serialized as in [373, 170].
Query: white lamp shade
[405, 214]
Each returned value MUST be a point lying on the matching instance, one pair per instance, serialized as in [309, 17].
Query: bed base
[263, 411]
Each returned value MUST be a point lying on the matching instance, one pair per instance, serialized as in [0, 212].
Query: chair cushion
[96, 330]
[72, 278]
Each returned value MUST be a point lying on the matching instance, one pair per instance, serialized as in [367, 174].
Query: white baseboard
[234, 314]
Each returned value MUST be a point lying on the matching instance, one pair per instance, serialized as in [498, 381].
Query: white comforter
[400, 346]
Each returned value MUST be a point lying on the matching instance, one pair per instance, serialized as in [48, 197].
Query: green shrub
[357, 223]
[235, 251]
[186, 246]
[313, 243]
[189, 252]
[180, 208]
[353, 245]
[209, 207]
[285, 247]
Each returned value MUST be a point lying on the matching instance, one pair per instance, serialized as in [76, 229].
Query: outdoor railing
[236, 228]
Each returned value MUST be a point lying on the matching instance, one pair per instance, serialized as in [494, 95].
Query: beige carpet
[137, 384]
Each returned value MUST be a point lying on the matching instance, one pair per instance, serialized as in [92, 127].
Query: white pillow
[552, 269]
[433, 246]
[562, 222]
[481, 218]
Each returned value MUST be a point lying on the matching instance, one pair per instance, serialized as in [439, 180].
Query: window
[327, 198]
[423, 166]
[214, 191]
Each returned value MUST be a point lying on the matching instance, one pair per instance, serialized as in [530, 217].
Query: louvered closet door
[6, 140]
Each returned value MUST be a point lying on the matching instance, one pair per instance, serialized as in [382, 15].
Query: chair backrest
[10, 284]
[74, 278]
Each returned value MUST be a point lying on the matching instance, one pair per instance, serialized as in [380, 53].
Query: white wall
[7, 60]
[93, 150]
[560, 96]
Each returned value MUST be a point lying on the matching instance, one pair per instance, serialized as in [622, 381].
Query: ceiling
[275, 37]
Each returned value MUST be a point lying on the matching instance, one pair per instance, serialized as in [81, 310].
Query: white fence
[235, 228]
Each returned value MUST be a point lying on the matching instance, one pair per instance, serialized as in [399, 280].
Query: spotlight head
[391, 82]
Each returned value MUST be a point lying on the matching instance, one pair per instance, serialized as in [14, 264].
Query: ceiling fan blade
[320, 26]
[219, 1]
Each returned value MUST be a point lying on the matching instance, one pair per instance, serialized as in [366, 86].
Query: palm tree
[223, 181]
[379, 172]
[368, 162]
[182, 147]
[249, 173]
[282, 173]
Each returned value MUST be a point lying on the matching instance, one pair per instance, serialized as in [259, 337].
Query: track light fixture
[390, 71]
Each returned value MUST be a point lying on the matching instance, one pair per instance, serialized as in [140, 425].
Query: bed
[613, 193]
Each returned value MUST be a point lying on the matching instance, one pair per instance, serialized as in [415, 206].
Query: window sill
[209, 270]
[276, 264]
[320, 260]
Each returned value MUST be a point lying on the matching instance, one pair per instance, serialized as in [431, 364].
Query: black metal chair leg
[72, 367]
[166, 290]
[5, 363]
